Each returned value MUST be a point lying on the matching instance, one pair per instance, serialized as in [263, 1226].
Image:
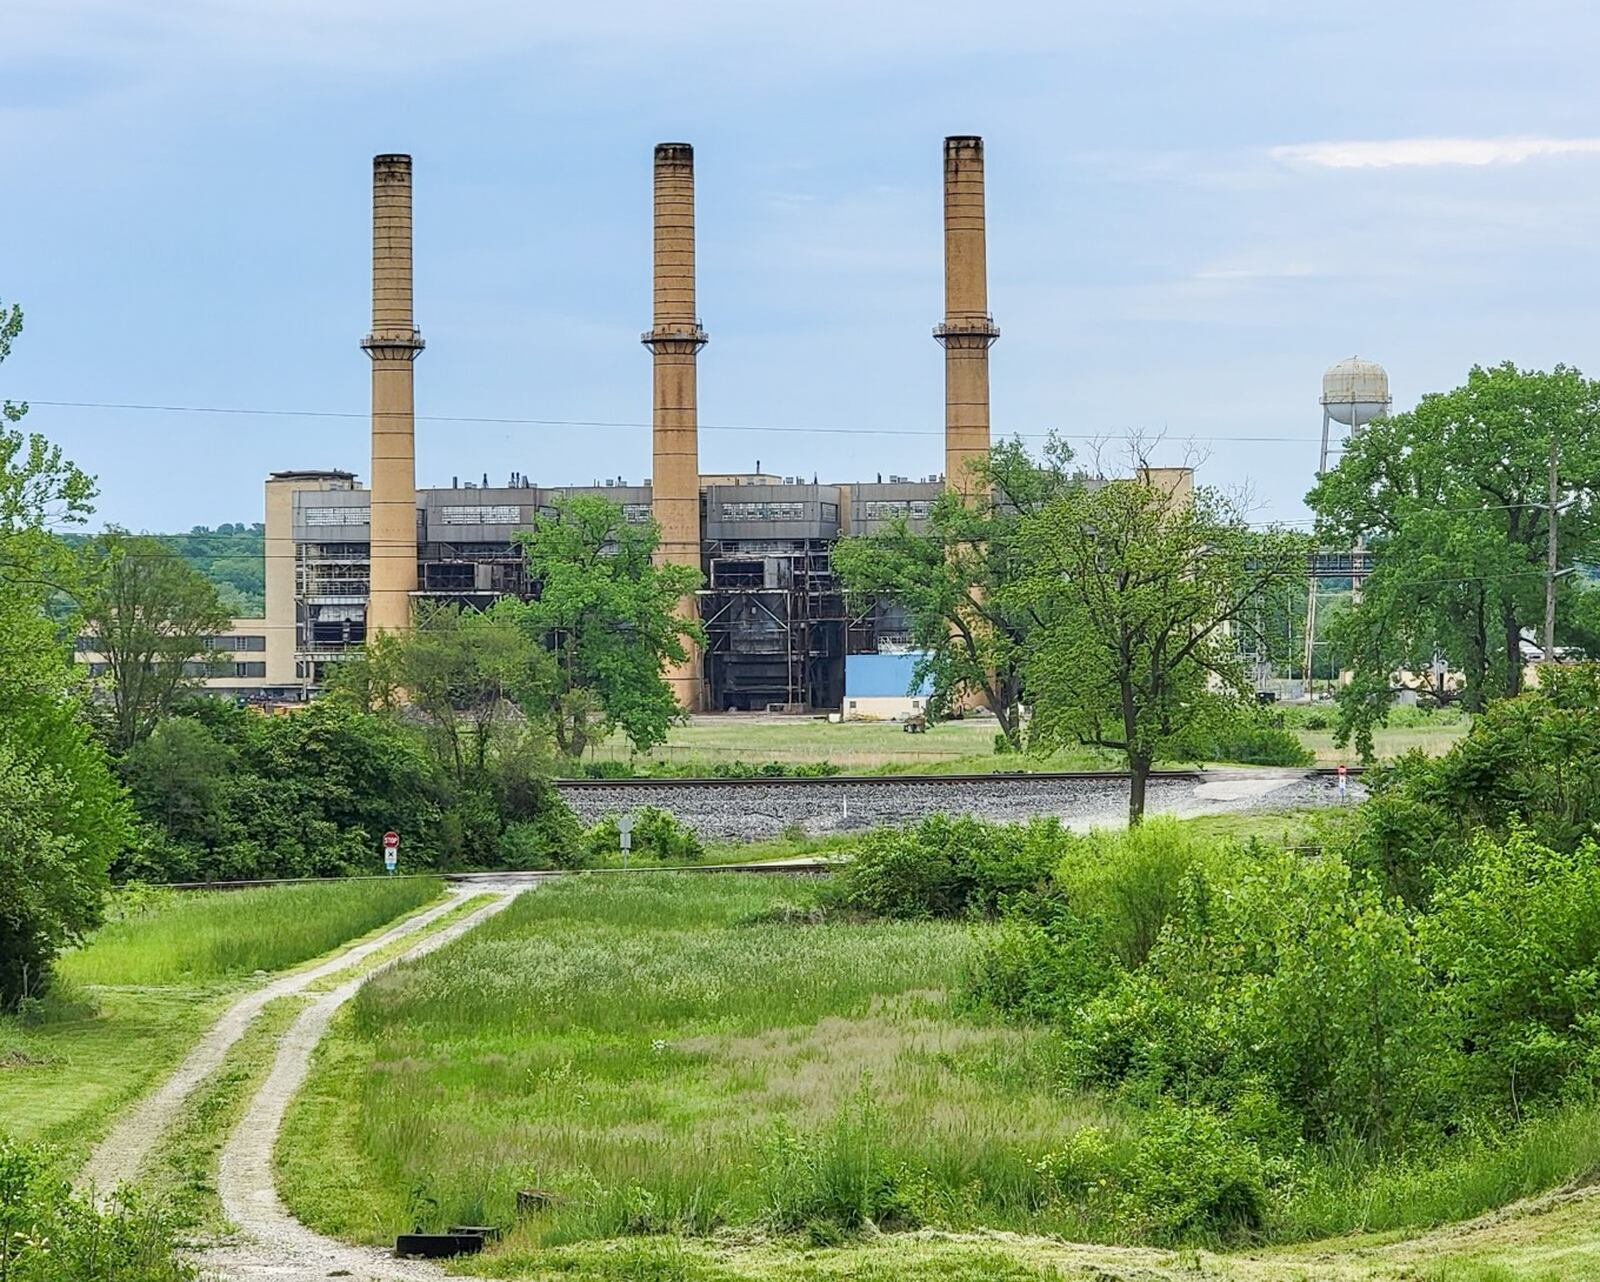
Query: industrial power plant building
[344, 562]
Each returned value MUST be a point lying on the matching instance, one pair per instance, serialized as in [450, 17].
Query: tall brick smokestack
[968, 331]
[393, 345]
[674, 340]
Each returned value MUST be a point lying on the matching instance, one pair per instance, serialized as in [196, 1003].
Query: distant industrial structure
[344, 562]
[1354, 393]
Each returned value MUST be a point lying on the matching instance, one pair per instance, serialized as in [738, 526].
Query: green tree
[609, 615]
[227, 792]
[1143, 597]
[65, 816]
[151, 615]
[954, 580]
[478, 687]
[467, 675]
[1451, 499]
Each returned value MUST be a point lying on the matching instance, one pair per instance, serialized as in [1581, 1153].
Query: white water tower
[1354, 392]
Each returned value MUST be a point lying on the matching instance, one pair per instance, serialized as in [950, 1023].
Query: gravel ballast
[756, 812]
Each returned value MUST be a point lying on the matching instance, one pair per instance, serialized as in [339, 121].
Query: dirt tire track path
[118, 1157]
[271, 1243]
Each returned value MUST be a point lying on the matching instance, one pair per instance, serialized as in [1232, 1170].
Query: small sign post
[391, 850]
[1344, 784]
[625, 836]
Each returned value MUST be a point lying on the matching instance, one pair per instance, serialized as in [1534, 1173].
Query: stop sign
[391, 841]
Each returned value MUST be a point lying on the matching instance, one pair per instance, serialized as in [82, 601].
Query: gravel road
[753, 812]
[118, 1157]
[271, 1243]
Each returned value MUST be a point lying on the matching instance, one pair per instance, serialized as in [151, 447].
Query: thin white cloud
[1393, 153]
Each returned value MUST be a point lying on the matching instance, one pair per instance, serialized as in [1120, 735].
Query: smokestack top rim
[670, 148]
[958, 140]
[392, 158]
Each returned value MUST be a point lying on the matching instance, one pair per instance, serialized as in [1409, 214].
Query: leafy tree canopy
[1451, 498]
[1142, 596]
[64, 816]
[151, 615]
[952, 580]
[610, 616]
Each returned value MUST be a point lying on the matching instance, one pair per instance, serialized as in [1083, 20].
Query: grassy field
[162, 937]
[957, 746]
[707, 1083]
[143, 989]
[856, 746]
[658, 1054]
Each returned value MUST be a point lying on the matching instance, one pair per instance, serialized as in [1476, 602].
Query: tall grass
[677, 1052]
[166, 937]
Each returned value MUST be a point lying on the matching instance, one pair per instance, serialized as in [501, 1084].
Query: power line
[635, 425]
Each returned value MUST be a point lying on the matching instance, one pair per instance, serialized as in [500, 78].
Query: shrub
[1113, 893]
[1040, 965]
[1532, 761]
[48, 1234]
[529, 845]
[1283, 976]
[1260, 745]
[657, 838]
[1514, 936]
[1190, 1178]
[1083, 1166]
[946, 866]
[1130, 882]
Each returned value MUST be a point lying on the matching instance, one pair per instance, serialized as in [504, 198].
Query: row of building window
[335, 516]
[481, 514]
[244, 668]
[230, 643]
[884, 509]
[768, 511]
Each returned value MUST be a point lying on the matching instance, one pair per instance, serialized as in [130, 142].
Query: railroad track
[775, 867]
[665, 783]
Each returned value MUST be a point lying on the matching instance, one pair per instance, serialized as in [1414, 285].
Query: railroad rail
[777, 867]
[1195, 775]
[863, 781]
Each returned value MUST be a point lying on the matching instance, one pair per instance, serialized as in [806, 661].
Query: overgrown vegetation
[49, 1234]
[678, 1052]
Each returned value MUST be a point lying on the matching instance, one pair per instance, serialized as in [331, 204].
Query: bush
[1282, 976]
[532, 845]
[1514, 933]
[227, 793]
[1260, 745]
[48, 1234]
[1190, 1178]
[608, 769]
[1130, 882]
[1040, 965]
[947, 866]
[1112, 894]
[1531, 762]
[657, 838]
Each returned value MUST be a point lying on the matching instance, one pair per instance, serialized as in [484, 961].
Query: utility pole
[1550, 564]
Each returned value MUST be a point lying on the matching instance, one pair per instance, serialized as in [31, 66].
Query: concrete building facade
[776, 620]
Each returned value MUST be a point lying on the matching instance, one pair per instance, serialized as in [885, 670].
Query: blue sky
[1193, 210]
